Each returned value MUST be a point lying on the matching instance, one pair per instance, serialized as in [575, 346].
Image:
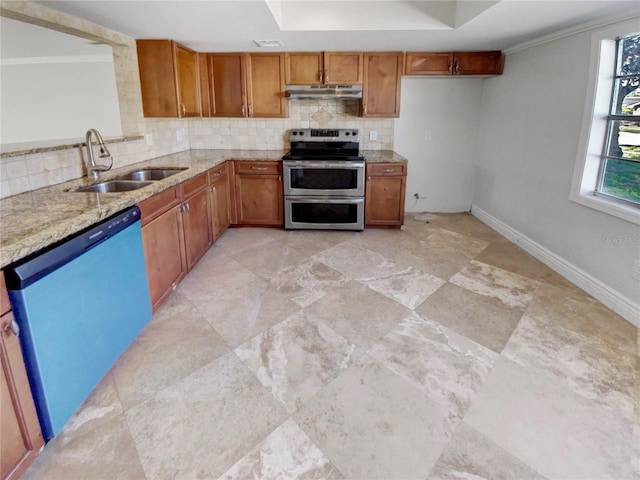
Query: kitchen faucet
[93, 169]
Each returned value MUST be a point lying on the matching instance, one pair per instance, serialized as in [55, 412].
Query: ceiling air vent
[269, 43]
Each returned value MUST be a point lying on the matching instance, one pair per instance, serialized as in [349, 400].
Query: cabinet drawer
[155, 206]
[217, 172]
[4, 296]
[193, 185]
[259, 168]
[386, 169]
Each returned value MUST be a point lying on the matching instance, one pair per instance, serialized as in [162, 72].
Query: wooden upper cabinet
[478, 63]
[381, 89]
[265, 85]
[205, 87]
[454, 63]
[304, 68]
[343, 67]
[428, 63]
[227, 84]
[316, 68]
[169, 78]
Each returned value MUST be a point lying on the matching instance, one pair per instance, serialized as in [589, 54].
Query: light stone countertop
[33, 220]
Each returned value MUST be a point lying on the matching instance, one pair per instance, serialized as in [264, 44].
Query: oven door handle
[323, 164]
[343, 200]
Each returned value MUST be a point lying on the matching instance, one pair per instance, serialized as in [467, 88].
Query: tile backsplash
[29, 172]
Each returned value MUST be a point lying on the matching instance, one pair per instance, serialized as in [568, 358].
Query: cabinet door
[304, 68]
[384, 194]
[205, 86]
[164, 254]
[227, 82]
[478, 63]
[188, 76]
[157, 78]
[21, 435]
[381, 89]
[197, 231]
[428, 63]
[265, 85]
[343, 67]
[259, 199]
[219, 202]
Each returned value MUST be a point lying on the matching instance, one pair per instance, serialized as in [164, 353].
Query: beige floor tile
[358, 313]
[449, 368]
[236, 240]
[463, 223]
[308, 281]
[409, 288]
[485, 320]
[358, 263]
[166, 351]
[94, 444]
[238, 321]
[265, 261]
[575, 310]
[296, 358]
[287, 453]
[314, 242]
[202, 425]
[374, 425]
[512, 289]
[538, 418]
[593, 370]
[508, 256]
[473, 456]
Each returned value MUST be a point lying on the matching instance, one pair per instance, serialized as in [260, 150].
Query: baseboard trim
[620, 304]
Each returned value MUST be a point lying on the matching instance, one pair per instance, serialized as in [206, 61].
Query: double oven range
[324, 180]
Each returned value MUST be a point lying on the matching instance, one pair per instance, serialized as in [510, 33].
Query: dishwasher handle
[38, 265]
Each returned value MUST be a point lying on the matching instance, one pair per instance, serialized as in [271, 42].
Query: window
[619, 173]
[607, 169]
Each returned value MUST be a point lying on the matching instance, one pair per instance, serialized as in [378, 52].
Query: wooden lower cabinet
[164, 255]
[384, 195]
[258, 193]
[195, 219]
[20, 435]
[219, 201]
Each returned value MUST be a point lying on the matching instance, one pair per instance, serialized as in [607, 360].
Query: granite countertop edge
[34, 220]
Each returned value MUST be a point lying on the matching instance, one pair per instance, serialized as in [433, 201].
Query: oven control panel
[323, 135]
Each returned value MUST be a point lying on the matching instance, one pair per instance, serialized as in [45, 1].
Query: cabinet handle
[218, 173]
[456, 67]
[212, 189]
[320, 75]
[188, 206]
[388, 170]
[368, 179]
[450, 67]
[184, 109]
[259, 168]
[13, 326]
[326, 76]
[250, 110]
[243, 110]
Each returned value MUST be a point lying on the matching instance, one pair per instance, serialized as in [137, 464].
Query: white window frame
[594, 124]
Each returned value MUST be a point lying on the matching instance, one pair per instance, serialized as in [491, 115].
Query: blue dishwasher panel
[77, 320]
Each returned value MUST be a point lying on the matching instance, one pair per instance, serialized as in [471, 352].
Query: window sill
[608, 205]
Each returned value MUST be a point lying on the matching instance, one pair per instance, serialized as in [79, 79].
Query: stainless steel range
[323, 180]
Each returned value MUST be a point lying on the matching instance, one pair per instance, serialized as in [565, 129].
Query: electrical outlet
[179, 135]
[635, 270]
[149, 138]
[373, 135]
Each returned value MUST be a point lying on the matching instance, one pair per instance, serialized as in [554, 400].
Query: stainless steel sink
[114, 186]
[150, 174]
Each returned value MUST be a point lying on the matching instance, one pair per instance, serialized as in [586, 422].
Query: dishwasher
[78, 305]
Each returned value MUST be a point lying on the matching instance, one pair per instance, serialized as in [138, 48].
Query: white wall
[437, 132]
[527, 147]
[53, 101]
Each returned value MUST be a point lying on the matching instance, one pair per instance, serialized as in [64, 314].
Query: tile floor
[441, 351]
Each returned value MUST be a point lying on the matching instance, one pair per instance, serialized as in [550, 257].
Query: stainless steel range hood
[323, 92]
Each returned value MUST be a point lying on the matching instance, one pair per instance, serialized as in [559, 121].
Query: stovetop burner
[314, 144]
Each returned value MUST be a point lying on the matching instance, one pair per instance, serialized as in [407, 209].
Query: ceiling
[312, 25]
